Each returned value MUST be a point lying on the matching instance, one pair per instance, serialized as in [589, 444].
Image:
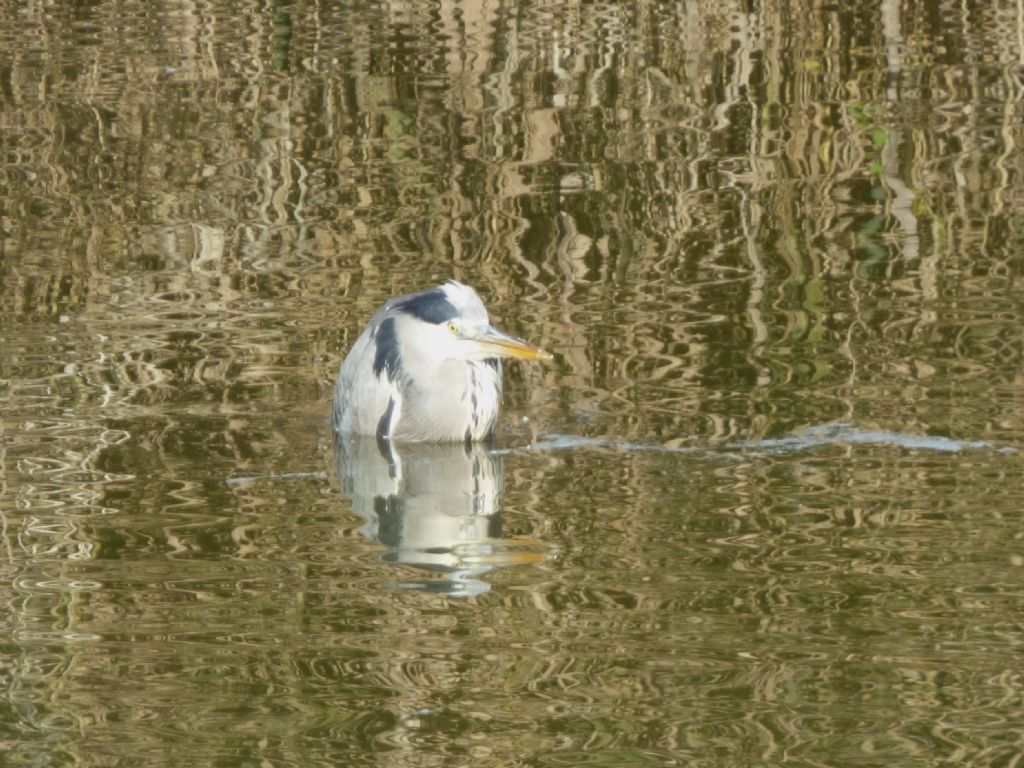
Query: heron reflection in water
[417, 393]
[435, 506]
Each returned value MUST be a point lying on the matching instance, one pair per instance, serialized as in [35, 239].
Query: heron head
[450, 322]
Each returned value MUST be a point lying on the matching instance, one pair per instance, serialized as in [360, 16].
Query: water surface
[762, 510]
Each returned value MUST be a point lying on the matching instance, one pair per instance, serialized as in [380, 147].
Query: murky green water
[764, 509]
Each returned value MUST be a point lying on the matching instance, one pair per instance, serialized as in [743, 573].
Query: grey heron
[426, 368]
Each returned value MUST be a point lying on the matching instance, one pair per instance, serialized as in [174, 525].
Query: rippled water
[763, 509]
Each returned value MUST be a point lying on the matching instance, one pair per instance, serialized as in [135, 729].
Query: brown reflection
[707, 218]
[731, 220]
[435, 507]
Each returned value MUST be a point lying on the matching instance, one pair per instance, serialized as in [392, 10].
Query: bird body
[426, 368]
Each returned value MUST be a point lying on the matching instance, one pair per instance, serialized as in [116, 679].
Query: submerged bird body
[426, 368]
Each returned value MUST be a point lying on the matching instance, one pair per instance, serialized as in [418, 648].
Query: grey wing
[366, 400]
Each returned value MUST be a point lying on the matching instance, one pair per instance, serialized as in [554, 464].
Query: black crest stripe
[386, 358]
[431, 306]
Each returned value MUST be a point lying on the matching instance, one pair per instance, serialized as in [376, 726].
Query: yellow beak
[495, 343]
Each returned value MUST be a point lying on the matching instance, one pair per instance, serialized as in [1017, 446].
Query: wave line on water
[836, 433]
[320, 475]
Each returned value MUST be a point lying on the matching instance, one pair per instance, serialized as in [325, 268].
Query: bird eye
[453, 328]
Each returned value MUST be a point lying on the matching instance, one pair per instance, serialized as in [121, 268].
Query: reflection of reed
[601, 163]
[728, 219]
[710, 213]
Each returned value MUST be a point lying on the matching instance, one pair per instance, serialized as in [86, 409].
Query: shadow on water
[435, 507]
